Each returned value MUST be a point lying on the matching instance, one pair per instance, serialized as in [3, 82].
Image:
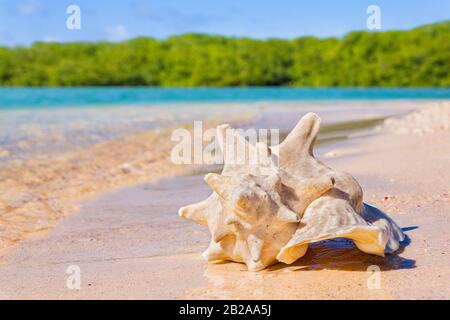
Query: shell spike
[195, 212]
[302, 138]
[236, 150]
[214, 252]
[219, 184]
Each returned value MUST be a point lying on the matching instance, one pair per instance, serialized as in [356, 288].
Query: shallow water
[27, 132]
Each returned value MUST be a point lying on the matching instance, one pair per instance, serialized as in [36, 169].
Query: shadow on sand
[281, 281]
[341, 254]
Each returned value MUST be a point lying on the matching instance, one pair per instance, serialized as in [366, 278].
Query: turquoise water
[44, 120]
[60, 97]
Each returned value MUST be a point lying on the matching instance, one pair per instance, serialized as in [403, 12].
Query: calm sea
[62, 97]
[42, 120]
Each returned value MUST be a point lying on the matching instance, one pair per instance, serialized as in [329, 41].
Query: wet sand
[36, 192]
[131, 244]
[120, 241]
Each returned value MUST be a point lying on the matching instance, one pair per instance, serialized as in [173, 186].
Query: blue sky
[25, 21]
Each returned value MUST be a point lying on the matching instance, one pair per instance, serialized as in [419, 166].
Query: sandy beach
[124, 234]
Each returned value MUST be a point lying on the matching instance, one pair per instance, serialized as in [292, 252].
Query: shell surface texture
[269, 203]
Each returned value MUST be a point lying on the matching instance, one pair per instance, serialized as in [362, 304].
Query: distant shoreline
[410, 58]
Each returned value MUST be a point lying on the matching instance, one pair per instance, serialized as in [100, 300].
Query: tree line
[414, 58]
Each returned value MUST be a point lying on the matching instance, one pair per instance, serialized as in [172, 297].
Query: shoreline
[134, 230]
[36, 190]
[37, 193]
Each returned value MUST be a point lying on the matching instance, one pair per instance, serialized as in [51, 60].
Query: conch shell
[268, 211]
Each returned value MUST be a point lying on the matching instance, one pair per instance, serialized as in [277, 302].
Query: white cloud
[29, 7]
[49, 39]
[117, 33]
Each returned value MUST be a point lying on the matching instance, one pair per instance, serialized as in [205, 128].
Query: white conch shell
[265, 211]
